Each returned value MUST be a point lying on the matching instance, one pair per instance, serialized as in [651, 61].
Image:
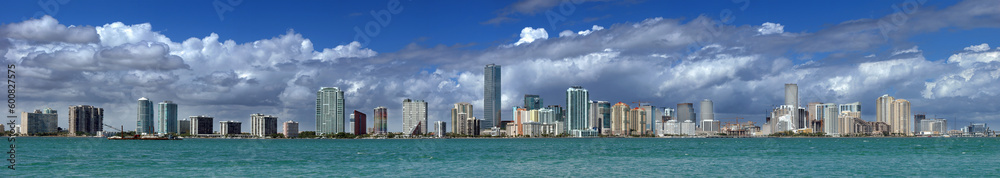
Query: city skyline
[939, 60]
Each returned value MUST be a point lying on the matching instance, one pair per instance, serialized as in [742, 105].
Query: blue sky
[828, 47]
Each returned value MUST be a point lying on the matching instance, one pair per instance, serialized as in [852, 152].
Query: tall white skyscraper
[414, 117]
[491, 96]
[330, 110]
[577, 108]
[144, 117]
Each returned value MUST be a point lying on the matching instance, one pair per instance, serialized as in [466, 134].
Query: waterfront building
[330, 110]
[792, 100]
[360, 122]
[291, 129]
[671, 127]
[184, 126]
[381, 120]
[895, 112]
[491, 96]
[708, 123]
[651, 113]
[39, 122]
[636, 122]
[687, 128]
[560, 116]
[577, 109]
[85, 118]
[230, 127]
[201, 125]
[414, 117]
[782, 119]
[933, 126]
[472, 126]
[604, 115]
[829, 114]
[263, 126]
[144, 117]
[546, 116]
[685, 112]
[520, 116]
[811, 113]
[532, 102]
[459, 114]
[439, 128]
[619, 115]
[979, 129]
[917, 119]
[166, 120]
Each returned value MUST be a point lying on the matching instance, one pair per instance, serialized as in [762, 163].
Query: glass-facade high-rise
[144, 118]
[532, 102]
[577, 108]
[329, 110]
[166, 121]
[491, 96]
[685, 112]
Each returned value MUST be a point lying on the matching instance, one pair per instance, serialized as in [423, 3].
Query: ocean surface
[541, 157]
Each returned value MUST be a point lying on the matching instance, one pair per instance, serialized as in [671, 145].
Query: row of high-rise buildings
[893, 117]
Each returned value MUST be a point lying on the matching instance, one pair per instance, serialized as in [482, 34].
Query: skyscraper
[291, 129]
[792, 99]
[532, 102]
[144, 118]
[381, 120]
[439, 128]
[491, 95]
[85, 118]
[598, 111]
[917, 118]
[828, 113]
[167, 120]
[329, 110]
[636, 121]
[360, 122]
[414, 117]
[39, 122]
[895, 112]
[619, 116]
[201, 125]
[263, 126]
[685, 112]
[459, 115]
[604, 114]
[900, 120]
[577, 108]
[708, 116]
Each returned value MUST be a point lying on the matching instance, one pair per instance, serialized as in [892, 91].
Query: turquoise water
[555, 157]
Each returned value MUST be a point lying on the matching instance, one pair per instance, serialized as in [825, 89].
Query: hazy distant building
[491, 96]
[977, 129]
[39, 122]
[330, 110]
[917, 118]
[144, 118]
[360, 122]
[685, 112]
[577, 108]
[792, 99]
[533, 102]
[263, 125]
[459, 115]
[291, 129]
[439, 128]
[85, 118]
[933, 126]
[381, 121]
[184, 126]
[414, 117]
[201, 125]
[230, 127]
[166, 121]
[687, 128]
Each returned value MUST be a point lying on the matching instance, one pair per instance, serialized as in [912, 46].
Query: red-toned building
[360, 122]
